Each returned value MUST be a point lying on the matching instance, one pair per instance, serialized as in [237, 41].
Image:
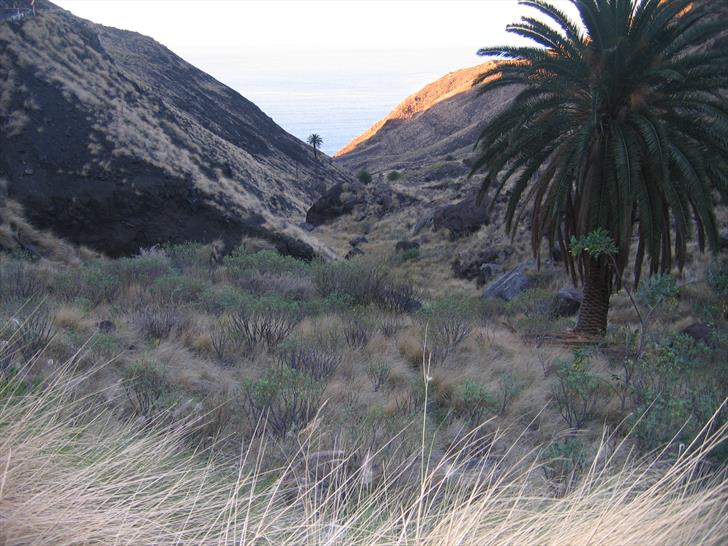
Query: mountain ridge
[114, 142]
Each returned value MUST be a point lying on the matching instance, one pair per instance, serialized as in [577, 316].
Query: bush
[223, 298]
[409, 255]
[18, 280]
[145, 385]
[188, 256]
[364, 177]
[93, 283]
[476, 402]
[364, 283]
[577, 391]
[243, 263]
[290, 286]
[266, 321]
[284, 398]
[177, 289]
[565, 460]
[318, 361]
[357, 329]
[449, 320]
[142, 269]
[35, 332]
[159, 321]
[378, 374]
[221, 340]
[393, 176]
[677, 387]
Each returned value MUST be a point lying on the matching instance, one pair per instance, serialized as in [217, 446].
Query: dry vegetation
[268, 400]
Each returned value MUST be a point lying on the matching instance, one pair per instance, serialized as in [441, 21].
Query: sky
[355, 59]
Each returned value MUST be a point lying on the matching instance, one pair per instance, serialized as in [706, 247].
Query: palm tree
[315, 140]
[618, 124]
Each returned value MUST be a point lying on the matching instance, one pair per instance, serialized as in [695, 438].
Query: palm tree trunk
[595, 303]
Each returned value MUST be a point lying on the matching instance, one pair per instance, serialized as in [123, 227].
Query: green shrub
[105, 345]
[188, 256]
[476, 402]
[178, 289]
[378, 374]
[142, 269]
[93, 283]
[393, 176]
[223, 298]
[145, 385]
[364, 177]
[245, 263]
[565, 460]
[409, 255]
[577, 391]
[677, 387]
[284, 399]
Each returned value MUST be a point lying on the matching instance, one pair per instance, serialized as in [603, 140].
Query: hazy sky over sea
[332, 67]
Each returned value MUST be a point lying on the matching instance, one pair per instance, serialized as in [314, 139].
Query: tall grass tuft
[72, 473]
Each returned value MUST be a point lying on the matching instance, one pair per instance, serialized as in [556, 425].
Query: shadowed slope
[114, 142]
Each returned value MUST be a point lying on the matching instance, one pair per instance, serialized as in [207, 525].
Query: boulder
[339, 200]
[106, 326]
[358, 240]
[567, 302]
[353, 253]
[468, 265]
[510, 284]
[700, 332]
[404, 246]
[487, 273]
[462, 218]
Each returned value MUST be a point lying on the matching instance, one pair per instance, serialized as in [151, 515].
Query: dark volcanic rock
[404, 246]
[460, 219]
[337, 201]
[488, 272]
[469, 265]
[358, 240]
[700, 332]
[111, 141]
[353, 253]
[566, 302]
[509, 285]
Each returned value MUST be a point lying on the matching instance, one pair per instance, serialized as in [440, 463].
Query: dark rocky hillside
[112, 141]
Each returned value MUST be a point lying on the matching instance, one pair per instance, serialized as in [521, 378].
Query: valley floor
[164, 399]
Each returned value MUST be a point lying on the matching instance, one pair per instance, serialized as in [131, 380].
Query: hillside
[442, 119]
[112, 141]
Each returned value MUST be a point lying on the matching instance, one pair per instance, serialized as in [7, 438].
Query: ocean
[337, 94]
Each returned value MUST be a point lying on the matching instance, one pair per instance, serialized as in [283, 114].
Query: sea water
[337, 94]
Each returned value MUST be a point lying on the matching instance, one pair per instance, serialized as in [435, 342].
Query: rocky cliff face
[112, 141]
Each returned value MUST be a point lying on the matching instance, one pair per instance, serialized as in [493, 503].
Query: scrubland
[163, 399]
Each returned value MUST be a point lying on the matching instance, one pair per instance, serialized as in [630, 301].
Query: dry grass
[71, 474]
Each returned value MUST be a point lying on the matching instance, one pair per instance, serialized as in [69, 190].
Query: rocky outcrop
[472, 264]
[509, 285]
[112, 141]
[566, 303]
[462, 218]
[338, 201]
